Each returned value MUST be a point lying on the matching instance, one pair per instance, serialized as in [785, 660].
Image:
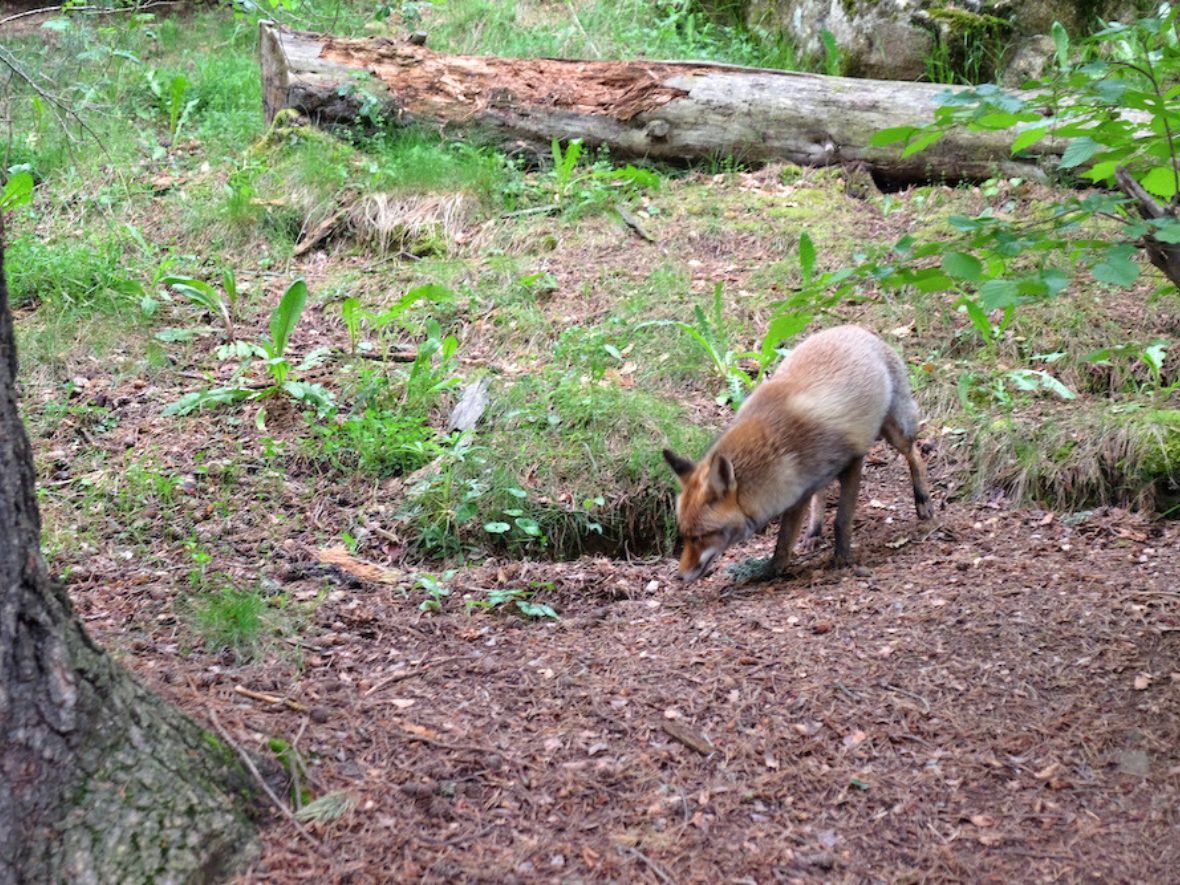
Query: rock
[900, 39]
[1029, 60]
[876, 38]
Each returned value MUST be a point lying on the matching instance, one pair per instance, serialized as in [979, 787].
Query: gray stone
[894, 39]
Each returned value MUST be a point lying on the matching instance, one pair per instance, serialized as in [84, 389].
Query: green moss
[1160, 436]
[970, 46]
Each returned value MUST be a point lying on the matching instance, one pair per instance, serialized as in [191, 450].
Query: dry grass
[423, 224]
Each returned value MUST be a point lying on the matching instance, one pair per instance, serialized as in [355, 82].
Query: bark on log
[672, 111]
[99, 781]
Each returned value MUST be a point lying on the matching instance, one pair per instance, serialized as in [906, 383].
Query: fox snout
[697, 559]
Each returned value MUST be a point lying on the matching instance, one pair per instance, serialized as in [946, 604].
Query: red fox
[811, 422]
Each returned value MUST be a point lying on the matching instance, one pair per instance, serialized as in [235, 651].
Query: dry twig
[270, 699]
[253, 769]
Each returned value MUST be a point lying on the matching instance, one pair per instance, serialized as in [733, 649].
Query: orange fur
[812, 422]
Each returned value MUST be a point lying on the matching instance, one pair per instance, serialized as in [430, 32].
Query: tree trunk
[664, 110]
[99, 781]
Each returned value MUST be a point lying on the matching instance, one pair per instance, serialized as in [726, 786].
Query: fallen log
[672, 111]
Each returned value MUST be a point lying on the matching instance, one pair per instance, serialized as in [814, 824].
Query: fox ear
[721, 476]
[682, 466]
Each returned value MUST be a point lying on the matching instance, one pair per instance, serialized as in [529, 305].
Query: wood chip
[690, 737]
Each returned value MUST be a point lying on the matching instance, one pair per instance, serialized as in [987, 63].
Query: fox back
[815, 418]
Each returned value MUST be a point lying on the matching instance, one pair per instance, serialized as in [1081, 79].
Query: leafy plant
[436, 590]
[271, 351]
[431, 372]
[522, 528]
[1113, 105]
[710, 333]
[1152, 356]
[576, 189]
[375, 441]
[444, 499]
[517, 599]
[833, 58]
[18, 190]
[356, 318]
[204, 295]
[171, 97]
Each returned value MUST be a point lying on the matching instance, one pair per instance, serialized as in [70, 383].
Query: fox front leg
[788, 531]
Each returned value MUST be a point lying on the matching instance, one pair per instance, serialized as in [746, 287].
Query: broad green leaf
[1028, 138]
[931, 279]
[979, 319]
[806, 255]
[1101, 171]
[1117, 269]
[962, 266]
[430, 292]
[200, 293]
[18, 190]
[998, 294]
[922, 142]
[1079, 151]
[497, 528]
[1033, 379]
[528, 526]
[1167, 230]
[313, 359]
[286, 315]
[176, 335]
[1160, 181]
[535, 609]
[230, 284]
[201, 399]
[884, 137]
[1054, 280]
[997, 121]
[1154, 355]
[965, 223]
[313, 394]
[1061, 42]
[782, 327]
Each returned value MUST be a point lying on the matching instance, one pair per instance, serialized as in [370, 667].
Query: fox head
[707, 510]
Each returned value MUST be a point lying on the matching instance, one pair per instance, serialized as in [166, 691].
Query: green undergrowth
[565, 465]
[600, 29]
[1072, 458]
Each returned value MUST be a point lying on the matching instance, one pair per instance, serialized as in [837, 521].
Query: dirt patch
[991, 699]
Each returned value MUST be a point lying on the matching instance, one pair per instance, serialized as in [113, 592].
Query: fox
[811, 422]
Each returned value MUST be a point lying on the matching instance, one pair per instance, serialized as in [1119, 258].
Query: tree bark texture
[674, 111]
[99, 781]
[1165, 256]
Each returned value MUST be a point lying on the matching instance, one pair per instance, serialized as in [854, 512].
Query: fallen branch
[407, 674]
[278, 803]
[270, 699]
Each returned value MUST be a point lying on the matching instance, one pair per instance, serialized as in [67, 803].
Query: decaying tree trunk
[1165, 256]
[663, 110]
[99, 780]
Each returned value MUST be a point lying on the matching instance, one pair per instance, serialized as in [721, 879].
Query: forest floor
[991, 697]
